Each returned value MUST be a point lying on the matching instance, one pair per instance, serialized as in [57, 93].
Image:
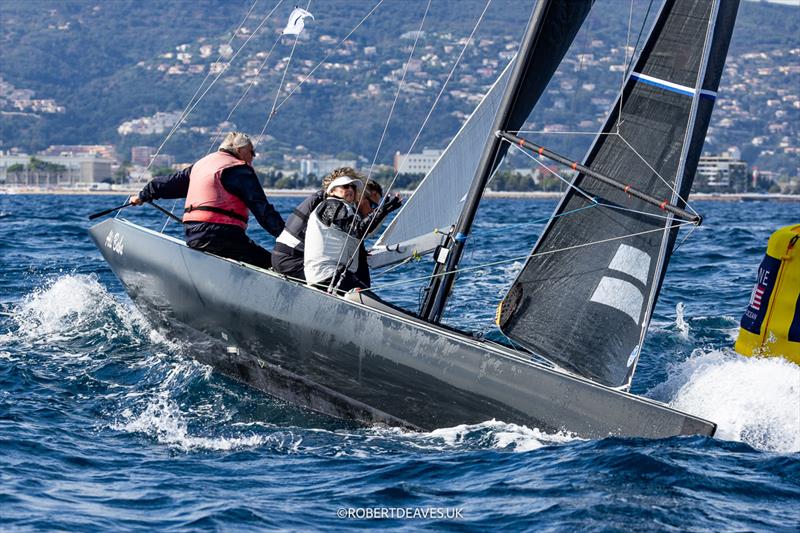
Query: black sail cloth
[586, 308]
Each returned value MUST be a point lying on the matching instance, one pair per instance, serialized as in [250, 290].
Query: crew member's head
[371, 198]
[239, 145]
[343, 184]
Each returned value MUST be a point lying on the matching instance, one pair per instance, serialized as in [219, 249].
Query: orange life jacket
[207, 200]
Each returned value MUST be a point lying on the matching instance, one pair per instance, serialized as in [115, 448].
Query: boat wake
[163, 419]
[75, 327]
[74, 307]
[498, 435]
[753, 400]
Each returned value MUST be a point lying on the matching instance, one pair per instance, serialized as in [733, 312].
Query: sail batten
[589, 311]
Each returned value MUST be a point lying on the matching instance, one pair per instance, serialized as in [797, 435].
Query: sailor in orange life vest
[221, 190]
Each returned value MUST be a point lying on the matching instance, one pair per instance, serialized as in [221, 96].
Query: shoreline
[522, 195]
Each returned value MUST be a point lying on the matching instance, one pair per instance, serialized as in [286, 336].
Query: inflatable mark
[770, 325]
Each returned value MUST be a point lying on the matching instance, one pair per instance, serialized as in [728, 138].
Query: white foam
[500, 435]
[163, 419]
[680, 322]
[78, 305]
[752, 400]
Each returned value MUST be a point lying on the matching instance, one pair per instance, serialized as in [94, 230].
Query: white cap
[341, 181]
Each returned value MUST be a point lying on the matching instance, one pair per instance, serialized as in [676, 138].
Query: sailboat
[578, 311]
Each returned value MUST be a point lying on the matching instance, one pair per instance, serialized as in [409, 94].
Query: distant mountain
[120, 71]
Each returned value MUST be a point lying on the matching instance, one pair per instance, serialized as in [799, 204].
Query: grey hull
[350, 360]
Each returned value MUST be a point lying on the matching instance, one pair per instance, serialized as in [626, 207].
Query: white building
[66, 170]
[724, 173]
[420, 163]
[322, 167]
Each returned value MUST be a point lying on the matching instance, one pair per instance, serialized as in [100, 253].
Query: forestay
[437, 202]
[587, 308]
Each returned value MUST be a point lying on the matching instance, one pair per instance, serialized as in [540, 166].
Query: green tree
[285, 182]
[162, 171]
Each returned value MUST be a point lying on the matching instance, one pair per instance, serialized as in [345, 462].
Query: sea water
[109, 424]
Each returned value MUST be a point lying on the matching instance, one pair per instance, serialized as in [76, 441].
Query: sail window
[632, 261]
[621, 295]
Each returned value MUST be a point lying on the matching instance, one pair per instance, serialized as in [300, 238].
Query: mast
[551, 29]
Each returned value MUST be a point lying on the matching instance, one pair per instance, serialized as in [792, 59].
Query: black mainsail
[587, 307]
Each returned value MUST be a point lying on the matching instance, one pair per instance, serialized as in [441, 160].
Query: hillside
[106, 72]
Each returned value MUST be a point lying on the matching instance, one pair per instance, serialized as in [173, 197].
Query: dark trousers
[363, 267]
[290, 265]
[230, 242]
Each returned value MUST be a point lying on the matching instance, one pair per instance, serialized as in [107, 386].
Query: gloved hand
[392, 203]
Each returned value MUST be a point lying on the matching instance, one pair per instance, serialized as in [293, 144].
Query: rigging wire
[624, 76]
[670, 187]
[639, 36]
[324, 59]
[395, 267]
[247, 89]
[400, 85]
[283, 78]
[678, 176]
[192, 105]
[444, 86]
[185, 112]
[530, 256]
[685, 237]
[562, 132]
[594, 199]
[530, 223]
[215, 140]
[219, 75]
[399, 89]
[428, 116]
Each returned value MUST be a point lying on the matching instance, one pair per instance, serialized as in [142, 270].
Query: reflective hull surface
[352, 361]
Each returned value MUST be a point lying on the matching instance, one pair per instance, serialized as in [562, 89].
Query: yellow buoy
[770, 325]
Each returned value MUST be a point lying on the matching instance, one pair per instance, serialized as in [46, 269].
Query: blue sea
[108, 424]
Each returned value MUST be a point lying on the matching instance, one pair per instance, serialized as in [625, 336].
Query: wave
[77, 306]
[752, 400]
[164, 420]
[168, 399]
[498, 435]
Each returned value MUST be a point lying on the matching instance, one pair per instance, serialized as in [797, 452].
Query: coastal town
[751, 145]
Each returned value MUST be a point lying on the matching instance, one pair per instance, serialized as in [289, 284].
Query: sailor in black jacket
[334, 233]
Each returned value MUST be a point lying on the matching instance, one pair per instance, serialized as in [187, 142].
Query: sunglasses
[373, 205]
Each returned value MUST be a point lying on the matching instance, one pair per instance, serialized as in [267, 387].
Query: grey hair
[235, 140]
